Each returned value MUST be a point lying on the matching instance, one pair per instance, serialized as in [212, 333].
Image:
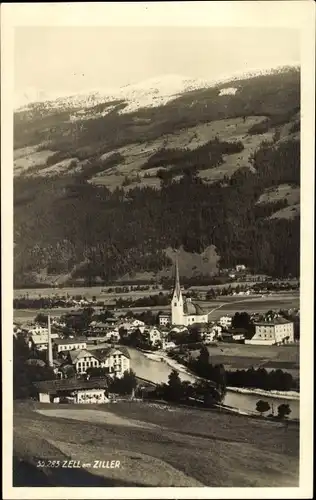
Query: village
[86, 346]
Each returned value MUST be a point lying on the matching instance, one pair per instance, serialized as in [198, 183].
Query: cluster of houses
[268, 330]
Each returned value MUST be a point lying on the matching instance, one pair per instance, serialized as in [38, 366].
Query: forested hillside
[67, 224]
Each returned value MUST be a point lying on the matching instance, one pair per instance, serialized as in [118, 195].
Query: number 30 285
[48, 463]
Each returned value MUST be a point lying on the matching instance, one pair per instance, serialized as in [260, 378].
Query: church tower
[177, 313]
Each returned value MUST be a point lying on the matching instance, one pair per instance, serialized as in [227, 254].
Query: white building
[39, 341]
[225, 321]
[184, 312]
[38, 330]
[154, 335]
[116, 359]
[240, 267]
[136, 323]
[278, 331]
[209, 337]
[168, 345]
[239, 336]
[64, 345]
[164, 319]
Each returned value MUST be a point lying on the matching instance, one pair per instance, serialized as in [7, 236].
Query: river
[158, 372]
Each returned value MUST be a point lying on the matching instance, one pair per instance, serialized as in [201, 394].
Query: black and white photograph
[158, 249]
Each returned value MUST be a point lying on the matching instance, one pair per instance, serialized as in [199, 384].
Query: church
[184, 311]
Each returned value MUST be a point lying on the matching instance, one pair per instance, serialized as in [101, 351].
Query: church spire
[177, 289]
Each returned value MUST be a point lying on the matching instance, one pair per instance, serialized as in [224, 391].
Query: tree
[41, 319]
[241, 320]
[68, 371]
[125, 385]
[284, 411]
[219, 377]
[174, 387]
[262, 406]
[204, 356]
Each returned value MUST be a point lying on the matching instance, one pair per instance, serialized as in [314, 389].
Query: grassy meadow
[157, 446]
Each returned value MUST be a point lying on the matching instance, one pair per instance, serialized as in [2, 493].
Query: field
[216, 308]
[272, 195]
[208, 449]
[29, 157]
[242, 357]
[287, 212]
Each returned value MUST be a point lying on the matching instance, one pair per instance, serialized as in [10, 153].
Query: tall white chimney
[49, 347]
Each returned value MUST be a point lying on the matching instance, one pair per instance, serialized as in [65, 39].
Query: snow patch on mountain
[228, 91]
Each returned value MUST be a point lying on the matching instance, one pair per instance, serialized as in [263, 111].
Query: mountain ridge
[106, 194]
[168, 85]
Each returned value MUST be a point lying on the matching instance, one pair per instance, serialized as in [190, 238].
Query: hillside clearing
[287, 212]
[26, 158]
[281, 192]
[136, 155]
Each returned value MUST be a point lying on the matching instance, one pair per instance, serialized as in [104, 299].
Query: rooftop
[192, 308]
[71, 384]
[275, 321]
[66, 341]
[103, 353]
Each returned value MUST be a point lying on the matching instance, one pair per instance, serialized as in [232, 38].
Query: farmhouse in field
[184, 311]
[277, 331]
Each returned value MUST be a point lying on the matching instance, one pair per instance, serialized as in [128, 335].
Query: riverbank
[291, 395]
[162, 356]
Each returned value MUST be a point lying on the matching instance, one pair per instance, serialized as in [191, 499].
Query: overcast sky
[62, 59]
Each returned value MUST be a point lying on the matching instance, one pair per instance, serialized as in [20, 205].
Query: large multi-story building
[116, 359]
[277, 331]
[184, 311]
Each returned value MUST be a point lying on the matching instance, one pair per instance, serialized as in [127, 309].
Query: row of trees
[260, 378]
[178, 391]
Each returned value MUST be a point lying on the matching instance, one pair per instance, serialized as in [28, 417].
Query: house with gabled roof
[115, 359]
[73, 390]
